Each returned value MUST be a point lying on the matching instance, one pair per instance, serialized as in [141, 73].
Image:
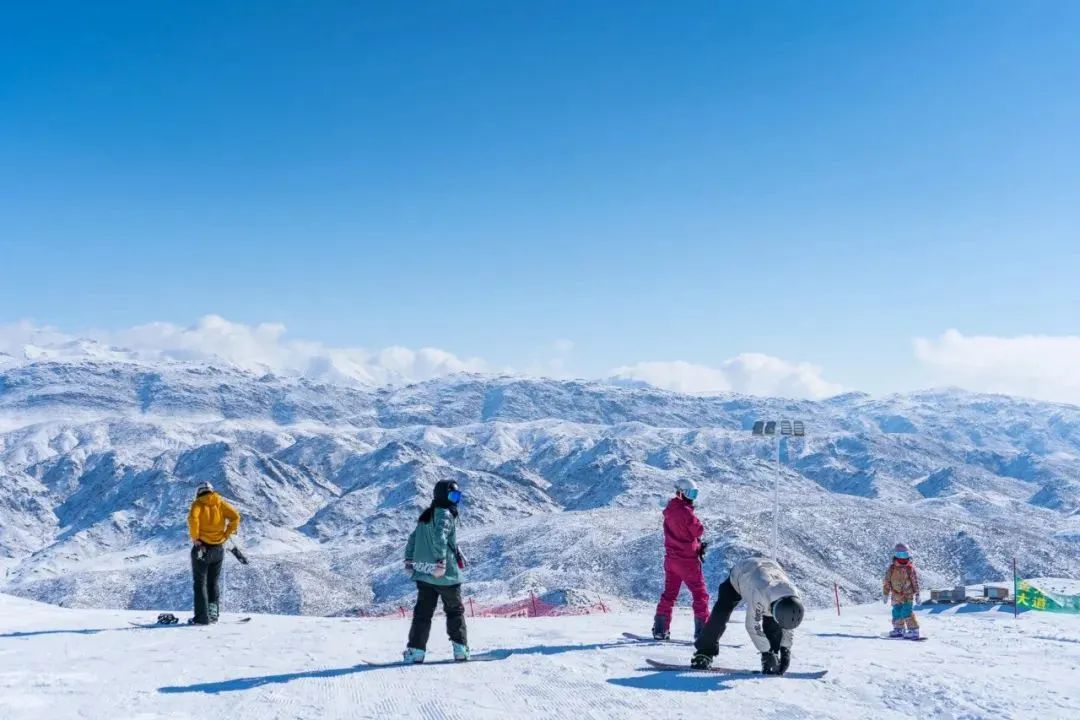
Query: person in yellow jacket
[211, 521]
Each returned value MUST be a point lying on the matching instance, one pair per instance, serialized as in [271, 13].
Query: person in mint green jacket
[436, 565]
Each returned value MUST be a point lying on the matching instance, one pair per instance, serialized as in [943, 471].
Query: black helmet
[788, 612]
[443, 488]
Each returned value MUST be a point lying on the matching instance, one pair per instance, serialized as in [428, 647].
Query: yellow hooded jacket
[211, 519]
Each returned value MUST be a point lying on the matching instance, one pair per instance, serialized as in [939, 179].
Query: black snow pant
[427, 597]
[708, 642]
[206, 579]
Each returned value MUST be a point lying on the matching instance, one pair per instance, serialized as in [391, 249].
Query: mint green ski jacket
[431, 542]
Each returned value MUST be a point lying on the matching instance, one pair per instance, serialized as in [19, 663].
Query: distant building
[955, 595]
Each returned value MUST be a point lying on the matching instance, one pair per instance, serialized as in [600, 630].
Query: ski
[184, 624]
[717, 670]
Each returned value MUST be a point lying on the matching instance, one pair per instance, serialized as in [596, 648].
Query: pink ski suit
[682, 542]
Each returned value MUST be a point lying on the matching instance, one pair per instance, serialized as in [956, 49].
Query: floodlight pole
[769, 428]
[776, 503]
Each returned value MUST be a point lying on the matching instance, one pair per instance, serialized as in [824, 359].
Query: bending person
[773, 611]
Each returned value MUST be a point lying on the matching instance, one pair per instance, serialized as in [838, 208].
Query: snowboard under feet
[444, 661]
[918, 639]
[717, 670]
[185, 624]
[671, 641]
[650, 638]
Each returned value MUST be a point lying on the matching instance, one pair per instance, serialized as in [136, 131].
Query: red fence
[531, 606]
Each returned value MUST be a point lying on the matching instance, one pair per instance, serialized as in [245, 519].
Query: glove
[769, 664]
[918, 598]
[701, 551]
[462, 561]
[440, 569]
[785, 660]
[408, 566]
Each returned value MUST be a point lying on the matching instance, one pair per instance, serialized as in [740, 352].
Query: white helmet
[203, 488]
[687, 487]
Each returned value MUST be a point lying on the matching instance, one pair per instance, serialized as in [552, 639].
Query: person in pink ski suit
[684, 553]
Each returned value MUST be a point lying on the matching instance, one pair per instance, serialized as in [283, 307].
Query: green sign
[1029, 596]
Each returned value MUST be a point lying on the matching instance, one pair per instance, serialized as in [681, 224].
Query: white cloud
[257, 348]
[1044, 367]
[267, 348]
[750, 373]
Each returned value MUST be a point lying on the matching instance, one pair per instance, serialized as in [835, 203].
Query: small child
[436, 565]
[902, 585]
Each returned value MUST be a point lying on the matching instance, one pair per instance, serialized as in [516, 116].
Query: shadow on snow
[694, 681]
[248, 683]
[688, 681]
[35, 633]
[848, 635]
[89, 631]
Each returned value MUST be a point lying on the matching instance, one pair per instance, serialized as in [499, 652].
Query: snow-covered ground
[57, 663]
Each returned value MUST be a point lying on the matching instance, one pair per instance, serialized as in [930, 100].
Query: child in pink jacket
[902, 586]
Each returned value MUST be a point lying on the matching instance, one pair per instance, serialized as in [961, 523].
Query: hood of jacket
[208, 500]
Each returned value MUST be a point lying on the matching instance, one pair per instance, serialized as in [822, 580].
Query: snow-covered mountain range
[564, 483]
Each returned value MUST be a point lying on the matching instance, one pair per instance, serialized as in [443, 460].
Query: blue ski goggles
[454, 496]
[903, 555]
[691, 494]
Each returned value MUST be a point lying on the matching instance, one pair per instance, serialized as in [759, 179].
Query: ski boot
[912, 634]
[461, 652]
[212, 611]
[769, 664]
[660, 628]
[701, 661]
[785, 660]
[897, 633]
[413, 655]
[699, 625]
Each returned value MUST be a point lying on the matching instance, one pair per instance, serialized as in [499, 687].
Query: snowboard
[918, 639]
[651, 639]
[184, 624]
[444, 661]
[812, 675]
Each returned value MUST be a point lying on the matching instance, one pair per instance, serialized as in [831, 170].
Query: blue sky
[820, 182]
